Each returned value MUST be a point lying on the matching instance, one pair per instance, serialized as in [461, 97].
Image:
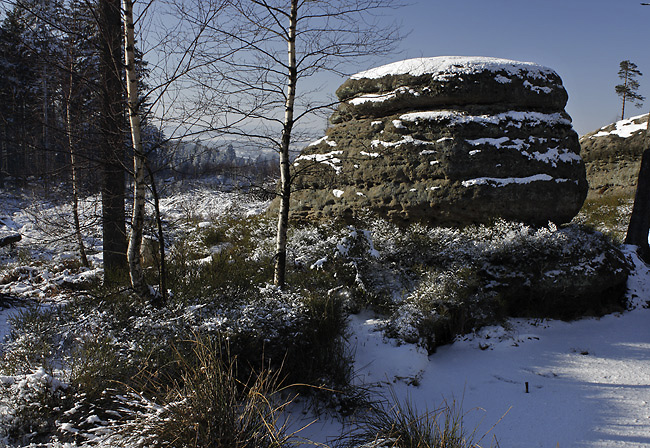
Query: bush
[441, 282]
[207, 405]
[114, 344]
[444, 305]
[400, 425]
[29, 404]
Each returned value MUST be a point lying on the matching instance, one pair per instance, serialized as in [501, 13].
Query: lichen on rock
[450, 140]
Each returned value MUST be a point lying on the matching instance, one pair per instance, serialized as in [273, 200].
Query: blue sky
[583, 40]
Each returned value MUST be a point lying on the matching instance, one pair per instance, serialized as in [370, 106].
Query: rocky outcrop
[450, 140]
[612, 156]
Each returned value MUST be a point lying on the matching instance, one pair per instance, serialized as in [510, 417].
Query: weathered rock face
[612, 156]
[446, 141]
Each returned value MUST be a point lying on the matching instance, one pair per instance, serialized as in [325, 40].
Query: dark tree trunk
[112, 145]
[162, 269]
[637, 232]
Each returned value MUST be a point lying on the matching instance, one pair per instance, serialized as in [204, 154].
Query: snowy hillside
[586, 378]
[623, 128]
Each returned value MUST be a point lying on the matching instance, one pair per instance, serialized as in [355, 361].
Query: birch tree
[170, 70]
[267, 50]
[136, 272]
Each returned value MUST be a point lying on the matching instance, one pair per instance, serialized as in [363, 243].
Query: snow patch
[503, 181]
[324, 139]
[624, 128]
[398, 124]
[407, 139]
[512, 118]
[369, 154]
[443, 66]
[372, 98]
[537, 89]
[329, 159]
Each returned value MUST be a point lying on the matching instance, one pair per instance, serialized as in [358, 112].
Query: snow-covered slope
[623, 128]
[587, 380]
[612, 156]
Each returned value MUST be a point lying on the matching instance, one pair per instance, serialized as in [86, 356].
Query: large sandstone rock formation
[612, 156]
[448, 140]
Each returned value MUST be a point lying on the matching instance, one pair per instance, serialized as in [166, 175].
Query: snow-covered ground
[624, 128]
[588, 380]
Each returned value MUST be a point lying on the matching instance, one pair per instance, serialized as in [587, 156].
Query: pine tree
[18, 94]
[628, 90]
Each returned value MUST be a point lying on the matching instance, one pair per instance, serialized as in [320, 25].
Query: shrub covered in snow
[27, 405]
[456, 279]
[109, 348]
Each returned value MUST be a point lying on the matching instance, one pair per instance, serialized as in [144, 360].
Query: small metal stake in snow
[526, 386]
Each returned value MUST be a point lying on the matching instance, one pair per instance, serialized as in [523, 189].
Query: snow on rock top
[447, 141]
[445, 65]
[624, 128]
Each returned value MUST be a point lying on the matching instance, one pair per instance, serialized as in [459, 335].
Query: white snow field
[589, 380]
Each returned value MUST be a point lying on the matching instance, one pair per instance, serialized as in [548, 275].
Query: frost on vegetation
[450, 277]
[26, 400]
[44, 282]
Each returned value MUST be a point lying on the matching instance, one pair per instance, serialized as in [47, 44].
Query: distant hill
[612, 156]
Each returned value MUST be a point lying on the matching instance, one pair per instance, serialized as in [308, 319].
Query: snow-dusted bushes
[27, 405]
[108, 348]
[457, 279]
[207, 404]
[444, 304]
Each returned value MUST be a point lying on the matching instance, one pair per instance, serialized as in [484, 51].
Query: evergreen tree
[18, 94]
[628, 90]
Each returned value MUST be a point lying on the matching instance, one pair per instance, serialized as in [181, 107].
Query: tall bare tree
[266, 50]
[136, 272]
[170, 68]
[112, 150]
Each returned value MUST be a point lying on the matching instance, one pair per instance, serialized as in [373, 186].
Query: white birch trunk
[285, 174]
[137, 220]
